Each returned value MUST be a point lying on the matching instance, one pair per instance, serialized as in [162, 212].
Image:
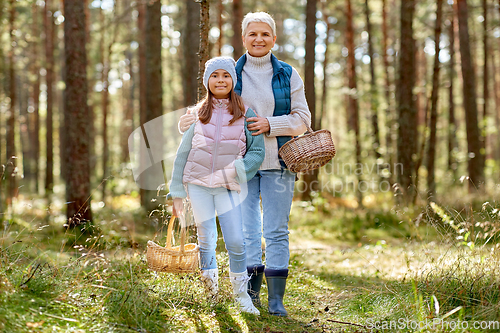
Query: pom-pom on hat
[226, 63]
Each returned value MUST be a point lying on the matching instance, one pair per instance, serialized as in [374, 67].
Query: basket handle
[170, 232]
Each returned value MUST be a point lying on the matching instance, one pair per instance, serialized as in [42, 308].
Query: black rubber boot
[276, 283]
[256, 274]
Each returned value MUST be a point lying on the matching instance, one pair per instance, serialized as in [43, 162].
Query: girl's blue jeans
[205, 201]
[275, 187]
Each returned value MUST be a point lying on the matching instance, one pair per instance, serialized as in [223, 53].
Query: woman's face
[259, 39]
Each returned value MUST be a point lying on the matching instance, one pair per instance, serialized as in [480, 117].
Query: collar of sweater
[259, 64]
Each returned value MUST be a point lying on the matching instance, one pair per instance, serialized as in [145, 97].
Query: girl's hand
[178, 207]
[259, 124]
[186, 120]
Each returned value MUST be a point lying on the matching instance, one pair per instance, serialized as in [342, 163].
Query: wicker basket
[309, 151]
[179, 259]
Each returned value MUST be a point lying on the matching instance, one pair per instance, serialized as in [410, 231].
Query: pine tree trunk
[452, 126]
[35, 117]
[49, 123]
[486, 51]
[220, 22]
[352, 100]
[75, 109]
[141, 22]
[324, 88]
[237, 19]
[191, 45]
[407, 114]
[154, 98]
[373, 87]
[10, 170]
[475, 158]
[431, 152]
[389, 116]
[204, 52]
[311, 177]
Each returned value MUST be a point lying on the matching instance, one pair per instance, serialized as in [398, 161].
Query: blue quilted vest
[282, 72]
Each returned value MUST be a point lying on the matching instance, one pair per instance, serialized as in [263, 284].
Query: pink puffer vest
[215, 147]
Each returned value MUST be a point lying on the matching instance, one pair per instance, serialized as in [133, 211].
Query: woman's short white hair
[258, 17]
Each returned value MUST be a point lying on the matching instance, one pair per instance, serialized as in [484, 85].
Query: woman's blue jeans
[275, 187]
[205, 201]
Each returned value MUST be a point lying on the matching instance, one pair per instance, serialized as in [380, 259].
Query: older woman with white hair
[275, 91]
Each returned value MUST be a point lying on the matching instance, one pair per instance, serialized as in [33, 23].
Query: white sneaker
[210, 279]
[240, 282]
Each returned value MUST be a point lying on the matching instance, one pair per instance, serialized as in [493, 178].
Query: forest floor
[370, 270]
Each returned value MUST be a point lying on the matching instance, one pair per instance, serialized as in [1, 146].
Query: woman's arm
[248, 166]
[292, 124]
[176, 187]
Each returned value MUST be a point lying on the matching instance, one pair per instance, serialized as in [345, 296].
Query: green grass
[349, 268]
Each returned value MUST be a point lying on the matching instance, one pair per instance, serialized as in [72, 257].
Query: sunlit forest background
[410, 116]
[410, 91]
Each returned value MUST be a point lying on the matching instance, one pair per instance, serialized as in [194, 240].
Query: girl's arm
[176, 188]
[248, 166]
[292, 124]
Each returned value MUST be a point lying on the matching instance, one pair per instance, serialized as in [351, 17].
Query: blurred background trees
[409, 89]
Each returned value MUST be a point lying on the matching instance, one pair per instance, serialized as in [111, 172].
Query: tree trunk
[407, 115]
[35, 117]
[431, 152]
[106, 66]
[220, 22]
[204, 52]
[141, 22]
[10, 170]
[484, 126]
[352, 100]
[311, 177]
[324, 92]
[475, 158]
[154, 99]
[237, 19]
[129, 97]
[191, 45]
[389, 143]
[49, 74]
[75, 108]
[452, 126]
[373, 87]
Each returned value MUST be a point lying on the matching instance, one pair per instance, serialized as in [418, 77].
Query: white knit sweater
[257, 92]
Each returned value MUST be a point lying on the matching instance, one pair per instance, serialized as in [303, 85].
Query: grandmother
[275, 91]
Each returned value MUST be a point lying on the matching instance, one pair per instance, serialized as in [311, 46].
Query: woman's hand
[178, 207]
[186, 120]
[259, 124]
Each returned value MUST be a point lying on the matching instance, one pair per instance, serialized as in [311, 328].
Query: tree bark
[452, 125]
[154, 98]
[431, 149]
[389, 116]
[141, 22]
[352, 100]
[311, 177]
[75, 108]
[204, 53]
[49, 74]
[407, 115]
[475, 158]
[373, 87]
[35, 128]
[220, 22]
[484, 126]
[10, 170]
[191, 45]
[237, 19]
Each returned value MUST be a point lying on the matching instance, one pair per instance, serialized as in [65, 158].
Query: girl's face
[220, 84]
[259, 39]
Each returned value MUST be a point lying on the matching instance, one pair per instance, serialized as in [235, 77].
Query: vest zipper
[217, 138]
